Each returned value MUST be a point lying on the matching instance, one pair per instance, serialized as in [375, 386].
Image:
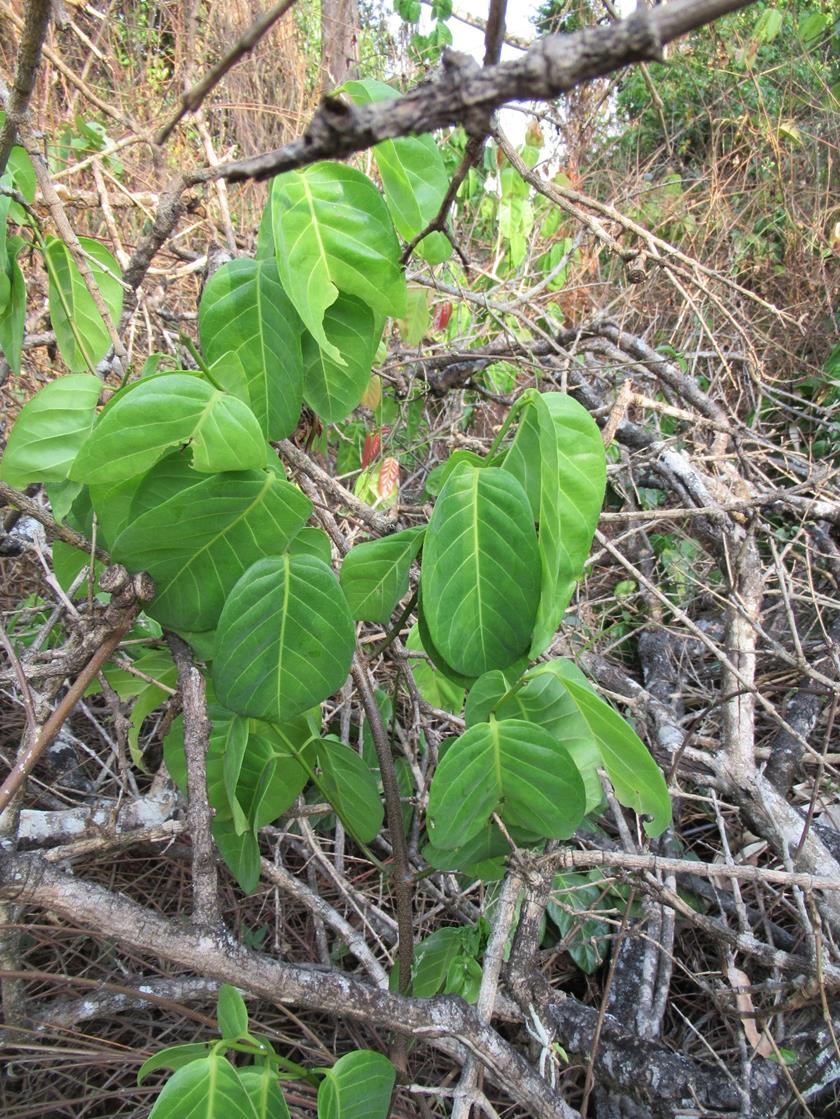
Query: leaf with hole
[481, 571]
[374, 574]
[358, 1086]
[80, 331]
[245, 312]
[200, 541]
[285, 639]
[333, 233]
[165, 411]
[50, 429]
[512, 768]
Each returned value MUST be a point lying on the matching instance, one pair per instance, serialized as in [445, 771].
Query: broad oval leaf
[244, 311]
[374, 575]
[166, 411]
[50, 429]
[231, 1012]
[285, 639]
[481, 571]
[484, 696]
[207, 1088]
[358, 1086]
[436, 688]
[558, 456]
[513, 768]
[332, 233]
[173, 1057]
[635, 776]
[350, 787]
[264, 1092]
[334, 389]
[413, 175]
[80, 330]
[197, 543]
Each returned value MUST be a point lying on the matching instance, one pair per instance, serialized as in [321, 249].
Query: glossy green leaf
[413, 175]
[264, 1092]
[13, 313]
[374, 574]
[635, 776]
[558, 456]
[231, 1013]
[312, 541]
[334, 389]
[332, 233]
[481, 571]
[50, 429]
[197, 543]
[208, 1088]
[542, 699]
[173, 1057]
[358, 1086]
[166, 411]
[285, 639]
[513, 768]
[436, 688]
[484, 696]
[350, 787]
[245, 312]
[80, 330]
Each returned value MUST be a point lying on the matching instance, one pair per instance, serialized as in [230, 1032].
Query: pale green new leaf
[50, 429]
[207, 1088]
[197, 543]
[358, 1086]
[558, 456]
[166, 411]
[332, 233]
[481, 571]
[244, 311]
[413, 175]
[334, 389]
[285, 639]
[513, 768]
[635, 776]
[374, 574]
[231, 1012]
[264, 1092]
[80, 330]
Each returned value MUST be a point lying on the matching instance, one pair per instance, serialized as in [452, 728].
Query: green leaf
[413, 175]
[635, 776]
[208, 1088]
[174, 1057]
[484, 696]
[436, 478]
[433, 685]
[165, 411]
[432, 959]
[285, 639]
[22, 175]
[50, 429]
[231, 1013]
[13, 315]
[236, 732]
[241, 853]
[558, 456]
[351, 789]
[585, 938]
[80, 331]
[264, 1092]
[513, 768]
[374, 575]
[197, 543]
[245, 312]
[416, 322]
[312, 542]
[358, 1086]
[481, 571]
[332, 233]
[333, 389]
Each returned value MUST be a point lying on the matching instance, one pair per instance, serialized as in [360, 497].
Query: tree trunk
[339, 41]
